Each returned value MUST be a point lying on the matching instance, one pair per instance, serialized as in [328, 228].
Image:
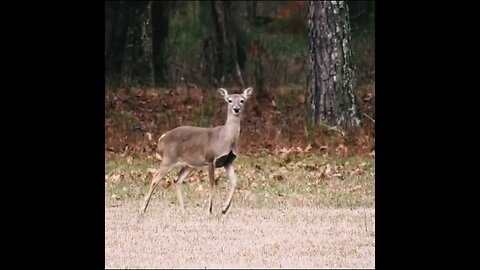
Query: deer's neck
[232, 127]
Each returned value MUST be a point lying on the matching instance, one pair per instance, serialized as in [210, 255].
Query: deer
[199, 147]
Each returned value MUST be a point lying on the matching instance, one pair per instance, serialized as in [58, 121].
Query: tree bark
[332, 85]
[127, 54]
[116, 43]
[160, 20]
[137, 65]
[147, 44]
[221, 40]
[227, 63]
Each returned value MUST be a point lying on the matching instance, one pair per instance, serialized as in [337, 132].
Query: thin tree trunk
[137, 66]
[127, 55]
[117, 42]
[160, 22]
[111, 18]
[227, 49]
[147, 44]
[237, 66]
[332, 98]
[221, 38]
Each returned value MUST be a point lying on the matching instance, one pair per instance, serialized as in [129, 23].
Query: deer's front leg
[233, 179]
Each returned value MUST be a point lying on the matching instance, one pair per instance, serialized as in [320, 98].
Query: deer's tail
[159, 151]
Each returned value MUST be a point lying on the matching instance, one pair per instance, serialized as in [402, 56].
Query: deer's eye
[230, 101]
[241, 101]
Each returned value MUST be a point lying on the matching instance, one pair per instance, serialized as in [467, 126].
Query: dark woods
[312, 65]
[208, 43]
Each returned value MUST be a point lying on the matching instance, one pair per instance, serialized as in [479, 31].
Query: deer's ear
[223, 92]
[247, 92]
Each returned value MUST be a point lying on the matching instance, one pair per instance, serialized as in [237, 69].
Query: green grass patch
[264, 181]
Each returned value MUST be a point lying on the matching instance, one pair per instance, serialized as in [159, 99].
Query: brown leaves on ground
[268, 174]
[135, 120]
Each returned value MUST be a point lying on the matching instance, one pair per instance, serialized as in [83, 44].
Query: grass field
[289, 211]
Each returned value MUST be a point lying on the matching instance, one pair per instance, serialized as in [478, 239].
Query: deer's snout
[236, 109]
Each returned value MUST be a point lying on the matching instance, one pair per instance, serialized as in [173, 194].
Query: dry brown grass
[284, 237]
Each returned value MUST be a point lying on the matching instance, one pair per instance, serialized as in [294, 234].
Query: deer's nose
[236, 110]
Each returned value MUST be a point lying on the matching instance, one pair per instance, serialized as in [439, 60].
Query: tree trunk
[226, 40]
[116, 42]
[221, 40]
[111, 17]
[332, 85]
[137, 65]
[127, 54]
[147, 44]
[160, 20]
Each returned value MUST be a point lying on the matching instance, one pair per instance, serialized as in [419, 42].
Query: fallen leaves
[278, 177]
[167, 184]
[114, 178]
[341, 149]
[284, 152]
[152, 171]
[305, 176]
[135, 120]
[285, 187]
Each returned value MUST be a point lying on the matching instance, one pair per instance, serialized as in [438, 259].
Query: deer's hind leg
[184, 172]
[213, 184]
[164, 169]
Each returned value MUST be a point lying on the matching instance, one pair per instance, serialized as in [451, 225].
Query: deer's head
[235, 101]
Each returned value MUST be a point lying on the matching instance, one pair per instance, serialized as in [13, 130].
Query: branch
[335, 128]
[369, 117]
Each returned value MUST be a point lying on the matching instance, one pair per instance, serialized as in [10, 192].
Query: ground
[289, 211]
[243, 238]
[305, 196]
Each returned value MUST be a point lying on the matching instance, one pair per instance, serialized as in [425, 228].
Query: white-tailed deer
[193, 147]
